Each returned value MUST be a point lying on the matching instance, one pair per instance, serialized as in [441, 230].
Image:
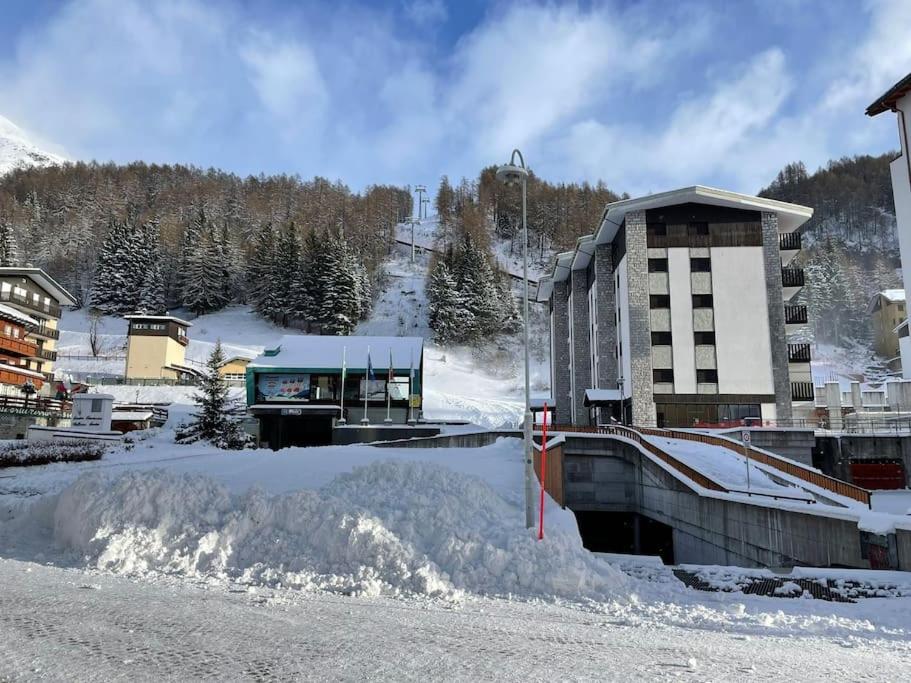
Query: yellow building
[234, 369]
[156, 347]
[887, 312]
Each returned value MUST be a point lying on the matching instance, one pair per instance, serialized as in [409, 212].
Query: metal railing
[802, 391]
[47, 354]
[45, 331]
[819, 479]
[51, 309]
[789, 241]
[795, 315]
[792, 277]
[798, 353]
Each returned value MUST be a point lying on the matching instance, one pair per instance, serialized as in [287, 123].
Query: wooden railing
[819, 479]
[553, 483]
[17, 345]
[40, 403]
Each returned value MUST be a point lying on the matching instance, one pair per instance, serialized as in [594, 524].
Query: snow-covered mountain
[17, 150]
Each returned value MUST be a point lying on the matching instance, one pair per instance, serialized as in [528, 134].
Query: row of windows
[692, 229]
[697, 265]
[700, 338]
[664, 301]
[666, 376]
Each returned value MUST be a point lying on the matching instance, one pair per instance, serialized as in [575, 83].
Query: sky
[646, 96]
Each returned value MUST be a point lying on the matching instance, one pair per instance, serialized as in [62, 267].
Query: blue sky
[646, 96]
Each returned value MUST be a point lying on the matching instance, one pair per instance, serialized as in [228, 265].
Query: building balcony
[16, 376]
[795, 315]
[26, 304]
[798, 353]
[789, 241]
[802, 391]
[792, 280]
[18, 346]
[45, 354]
[45, 332]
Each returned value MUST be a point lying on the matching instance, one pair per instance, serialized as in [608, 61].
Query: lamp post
[512, 174]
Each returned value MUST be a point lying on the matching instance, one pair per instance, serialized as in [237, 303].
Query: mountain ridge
[18, 150]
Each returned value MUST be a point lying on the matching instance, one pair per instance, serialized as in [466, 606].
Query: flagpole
[342, 420]
[389, 377]
[365, 421]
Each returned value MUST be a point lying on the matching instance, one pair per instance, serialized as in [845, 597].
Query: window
[701, 265]
[706, 377]
[704, 338]
[96, 405]
[655, 229]
[659, 301]
[663, 376]
[661, 338]
[702, 300]
[697, 229]
[657, 265]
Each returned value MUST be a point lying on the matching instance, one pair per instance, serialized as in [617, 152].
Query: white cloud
[426, 12]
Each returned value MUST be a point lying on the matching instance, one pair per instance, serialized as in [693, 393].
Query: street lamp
[513, 174]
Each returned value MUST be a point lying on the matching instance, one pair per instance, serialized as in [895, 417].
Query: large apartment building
[898, 99]
[30, 306]
[675, 311]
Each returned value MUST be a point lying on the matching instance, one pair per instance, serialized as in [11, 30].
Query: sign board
[292, 411]
[745, 437]
[415, 401]
[284, 387]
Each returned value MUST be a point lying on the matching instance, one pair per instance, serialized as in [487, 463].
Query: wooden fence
[553, 482]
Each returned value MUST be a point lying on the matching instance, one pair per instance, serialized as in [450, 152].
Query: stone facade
[640, 337]
[581, 344]
[778, 337]
[561, 359]
[606, 297]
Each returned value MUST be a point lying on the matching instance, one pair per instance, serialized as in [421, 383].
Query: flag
[391, 373]
[344, 365]
[370, 374]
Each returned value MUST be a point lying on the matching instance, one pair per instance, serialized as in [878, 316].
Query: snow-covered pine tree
[307, 292]
[259, 270]
[510, 318]
[204, 289]
[286, 266]
[114, 284]
[215, 420]
[9, 256]
[341, 304]
[152, 296]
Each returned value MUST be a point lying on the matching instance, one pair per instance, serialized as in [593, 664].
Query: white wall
[742, 343]
[901, 190]
[678, 266]
[904, 347]
[624, 364]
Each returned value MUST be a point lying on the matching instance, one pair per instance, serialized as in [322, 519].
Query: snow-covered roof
[18, 316]
[538, 403]
[790, 217]
[232, 359]
[45, 281]
[23, 371]
[894, 295]
[593, 396]
[325, 352]
[131, 415]
[140, 316]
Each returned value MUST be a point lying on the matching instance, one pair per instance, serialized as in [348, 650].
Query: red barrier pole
[543, 473]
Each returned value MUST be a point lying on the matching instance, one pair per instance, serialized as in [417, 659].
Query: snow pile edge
[388, 528]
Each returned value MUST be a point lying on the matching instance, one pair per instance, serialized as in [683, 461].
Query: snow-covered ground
[355, 561]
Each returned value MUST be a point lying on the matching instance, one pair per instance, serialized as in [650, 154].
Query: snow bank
[387, 528]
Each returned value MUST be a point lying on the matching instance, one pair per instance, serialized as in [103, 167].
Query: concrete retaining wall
[473, 440]
[795, 444]
[610, 475]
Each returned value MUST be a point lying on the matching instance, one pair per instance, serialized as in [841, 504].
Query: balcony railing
[18, 346]
[39, 404]
[46, 354]
[792, 277]
[50, 309]
[45, 331]
[798, 353]
[802, 391]
[789, 241]
[795, 315]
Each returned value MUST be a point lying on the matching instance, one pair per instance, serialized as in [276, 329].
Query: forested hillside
[122, 237]
[850, 246]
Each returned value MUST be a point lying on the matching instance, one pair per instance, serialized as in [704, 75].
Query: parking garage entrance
[627, 533]
[282, 427]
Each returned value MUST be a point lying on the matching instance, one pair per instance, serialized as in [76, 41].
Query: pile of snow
[390, 527]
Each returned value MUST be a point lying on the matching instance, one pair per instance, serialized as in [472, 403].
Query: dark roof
[887, 100]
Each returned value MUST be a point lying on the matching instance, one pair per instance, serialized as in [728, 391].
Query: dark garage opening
[627, 533]
[282, 431]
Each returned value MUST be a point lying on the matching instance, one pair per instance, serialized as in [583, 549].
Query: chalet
[887, 313]
[30, 307]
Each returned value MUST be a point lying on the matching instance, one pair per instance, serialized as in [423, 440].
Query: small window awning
[599, 397]
[538, 403]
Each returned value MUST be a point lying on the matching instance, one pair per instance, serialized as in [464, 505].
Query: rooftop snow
[10, 312]
[894, 295]
[301, 351]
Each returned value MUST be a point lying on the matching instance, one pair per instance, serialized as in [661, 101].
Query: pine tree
[152, 298]
[204, 274]
[215, 419]
[115, 287]
[307, 287]
[8, 253]
[341, 293]
[449, 317]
